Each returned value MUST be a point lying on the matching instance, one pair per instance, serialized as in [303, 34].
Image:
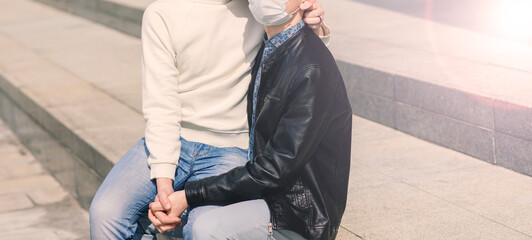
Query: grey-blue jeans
[243, 220]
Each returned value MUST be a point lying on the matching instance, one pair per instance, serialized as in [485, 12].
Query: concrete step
[70, 89]
[122, 15]
[453, 87]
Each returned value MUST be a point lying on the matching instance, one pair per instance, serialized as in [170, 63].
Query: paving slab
[48, 196]
[400, 211]
[405, 188]
[479, 190]
[14, 201]
[13, 157]
[34, 168]
[27, 184]
[344, 234]
[32, 203]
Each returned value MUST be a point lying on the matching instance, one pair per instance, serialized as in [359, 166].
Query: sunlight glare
[514, 18]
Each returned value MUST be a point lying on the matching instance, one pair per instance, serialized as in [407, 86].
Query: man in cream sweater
[196, 58]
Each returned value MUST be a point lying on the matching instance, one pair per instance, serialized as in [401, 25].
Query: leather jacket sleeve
[306, 114]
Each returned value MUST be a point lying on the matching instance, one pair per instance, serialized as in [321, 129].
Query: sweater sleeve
[326, 39]
[160, 101]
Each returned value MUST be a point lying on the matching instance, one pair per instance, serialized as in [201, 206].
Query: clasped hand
[166, 209]
[167, 219]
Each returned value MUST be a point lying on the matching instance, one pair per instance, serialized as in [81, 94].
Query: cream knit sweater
[196, 59]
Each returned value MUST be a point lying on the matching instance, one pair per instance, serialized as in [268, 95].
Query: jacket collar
[289, 43]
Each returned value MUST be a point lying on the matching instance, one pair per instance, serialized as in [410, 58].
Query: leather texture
[302, 143]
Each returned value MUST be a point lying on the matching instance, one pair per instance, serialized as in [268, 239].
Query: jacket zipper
[270, 230]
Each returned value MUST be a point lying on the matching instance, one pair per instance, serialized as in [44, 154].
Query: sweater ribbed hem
[162, 170]
[240, 140]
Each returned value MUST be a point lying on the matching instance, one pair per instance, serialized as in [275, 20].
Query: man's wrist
[163, 180]
[164, 183]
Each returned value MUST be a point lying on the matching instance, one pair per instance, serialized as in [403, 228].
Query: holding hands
[167, 207]
[164, 189]
[166, 219]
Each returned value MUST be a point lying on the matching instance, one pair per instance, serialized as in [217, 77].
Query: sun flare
[514, 18]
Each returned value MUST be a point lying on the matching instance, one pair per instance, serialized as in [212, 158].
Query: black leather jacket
[302, 143]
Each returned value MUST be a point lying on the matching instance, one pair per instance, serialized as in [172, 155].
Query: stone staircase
[70, 88]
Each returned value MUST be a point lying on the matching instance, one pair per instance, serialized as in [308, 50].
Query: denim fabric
[127, 190]
[270, 46]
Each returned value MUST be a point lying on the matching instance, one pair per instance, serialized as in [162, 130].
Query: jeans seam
[195, 151]
[198, 150]
[192, 160]
[135, 213]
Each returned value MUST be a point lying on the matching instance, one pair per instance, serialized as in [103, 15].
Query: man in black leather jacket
[301, 141]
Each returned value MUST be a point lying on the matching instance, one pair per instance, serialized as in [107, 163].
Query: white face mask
[270, 12]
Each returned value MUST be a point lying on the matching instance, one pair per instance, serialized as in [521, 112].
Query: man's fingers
[314, 16]
[165, 219]
[168, 227]
[315, 10]
[153, 219]
[159, 225]
[156, 206]
[163, 199]
[313, 23]
[317, 6]
[308, 5]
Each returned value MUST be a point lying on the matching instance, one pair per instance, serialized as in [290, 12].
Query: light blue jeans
[127, 190]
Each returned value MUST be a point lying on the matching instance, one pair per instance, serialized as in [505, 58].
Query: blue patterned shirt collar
[274, 42]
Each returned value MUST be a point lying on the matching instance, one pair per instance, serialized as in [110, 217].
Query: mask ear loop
[295, 11]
